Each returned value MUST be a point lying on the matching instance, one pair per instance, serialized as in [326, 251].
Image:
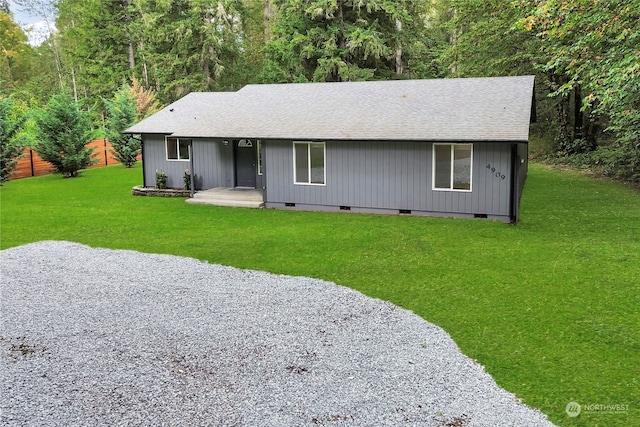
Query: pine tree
[344, 40]
[11, 143]
[122, 115]
[64, 131]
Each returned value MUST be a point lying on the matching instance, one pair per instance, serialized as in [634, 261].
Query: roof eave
[361, 139]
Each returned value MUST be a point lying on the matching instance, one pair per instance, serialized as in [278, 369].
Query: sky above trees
[34, 24]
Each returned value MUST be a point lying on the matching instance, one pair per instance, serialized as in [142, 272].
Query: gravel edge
[94, 336]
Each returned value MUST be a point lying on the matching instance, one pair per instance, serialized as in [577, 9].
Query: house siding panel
[523, 168]
[390, 175]
[212, 163]
[155, 158]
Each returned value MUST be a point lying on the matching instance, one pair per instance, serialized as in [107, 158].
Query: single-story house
[441, 147]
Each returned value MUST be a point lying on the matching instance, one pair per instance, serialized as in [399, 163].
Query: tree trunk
[563, 119]
[132, 59]
[342, 42]
[145, 74]
[56, 56]
[453, 41]
[591, 130]
[208, 54]
[73, 80]
[399, 65]
[267, 20]
[9, 79]
[127, 24]
[578, 117]
[562, 109]
[145, 70]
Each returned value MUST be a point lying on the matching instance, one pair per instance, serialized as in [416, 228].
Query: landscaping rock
[103, 337]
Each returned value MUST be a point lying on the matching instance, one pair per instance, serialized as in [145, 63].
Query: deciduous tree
[595, 45]
[16, 56]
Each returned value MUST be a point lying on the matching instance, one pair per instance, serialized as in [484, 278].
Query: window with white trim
[308, 163]
[178, 148]
[452, 165]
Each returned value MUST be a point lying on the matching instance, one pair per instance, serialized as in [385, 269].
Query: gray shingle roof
[175, 115]
[470, 109]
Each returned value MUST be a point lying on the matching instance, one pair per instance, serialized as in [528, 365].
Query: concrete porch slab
[233, 197]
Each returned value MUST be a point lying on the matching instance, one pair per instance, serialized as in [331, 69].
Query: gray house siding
[390, 176]
[212, 163]
[155, 158]
[521, 162]
[523, 167]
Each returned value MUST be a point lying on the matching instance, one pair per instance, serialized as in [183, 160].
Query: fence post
[33, 172]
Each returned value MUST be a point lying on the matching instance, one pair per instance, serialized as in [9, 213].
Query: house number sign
[495, 173]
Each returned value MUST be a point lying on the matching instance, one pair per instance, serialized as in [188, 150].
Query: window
[308, 163]
[178, 149]
[452, 166]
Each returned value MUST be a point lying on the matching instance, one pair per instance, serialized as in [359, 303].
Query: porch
[225, 196]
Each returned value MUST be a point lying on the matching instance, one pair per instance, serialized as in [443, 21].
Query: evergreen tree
[189, 44]
[64, 131]
[344, 40]
[95, 40]
[11, 142]
[484, 40]
[122, 115]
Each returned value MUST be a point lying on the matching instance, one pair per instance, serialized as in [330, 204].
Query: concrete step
[229, 194]
[228, 203]
[235, 197]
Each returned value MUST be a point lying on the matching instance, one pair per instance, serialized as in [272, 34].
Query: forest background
[585, 55]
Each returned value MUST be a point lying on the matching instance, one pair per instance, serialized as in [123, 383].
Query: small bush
[161, 180]
[187, 179]
[619, 162]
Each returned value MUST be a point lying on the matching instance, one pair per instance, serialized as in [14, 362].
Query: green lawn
[550, 307]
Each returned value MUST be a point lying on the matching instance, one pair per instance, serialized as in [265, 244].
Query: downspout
[192, 174]
[33, 171]
[513, 209]
[139, 138]
[264, 175]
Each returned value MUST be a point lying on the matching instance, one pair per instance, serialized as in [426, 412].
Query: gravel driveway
[102, 337]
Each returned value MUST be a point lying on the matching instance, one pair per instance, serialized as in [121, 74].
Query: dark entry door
[245, 163]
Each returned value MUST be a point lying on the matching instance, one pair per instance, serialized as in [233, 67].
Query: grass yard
[550, 307]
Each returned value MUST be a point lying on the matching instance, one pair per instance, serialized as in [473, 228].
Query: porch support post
[192, 174]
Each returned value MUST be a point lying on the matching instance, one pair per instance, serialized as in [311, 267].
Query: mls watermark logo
[573, 409]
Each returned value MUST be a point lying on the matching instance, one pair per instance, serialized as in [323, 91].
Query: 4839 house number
[496, 173]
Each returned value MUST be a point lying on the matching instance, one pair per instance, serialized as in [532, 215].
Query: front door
[245, 153]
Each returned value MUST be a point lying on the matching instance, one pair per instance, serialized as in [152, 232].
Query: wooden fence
[32, 165]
